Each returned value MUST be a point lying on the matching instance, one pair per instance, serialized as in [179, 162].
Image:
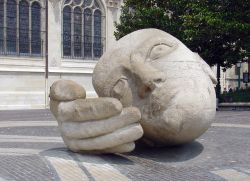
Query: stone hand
[98, 125]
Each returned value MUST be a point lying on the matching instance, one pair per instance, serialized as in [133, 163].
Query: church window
[83, 35]
[20, 28]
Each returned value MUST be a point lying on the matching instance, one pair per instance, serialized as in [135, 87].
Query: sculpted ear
[206, 68]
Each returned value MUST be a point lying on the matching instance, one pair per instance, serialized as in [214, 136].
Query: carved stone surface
[149, 76]
[66, 90]
[172, 86]
[113, 3]
[97, 125]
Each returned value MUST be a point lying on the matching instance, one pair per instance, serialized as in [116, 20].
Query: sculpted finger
[89, 109]
[100, 127]
[125, 135]
[125, 148]
[66, 90]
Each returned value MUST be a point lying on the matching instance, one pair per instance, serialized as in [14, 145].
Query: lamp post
[46, 56]
[238, 68]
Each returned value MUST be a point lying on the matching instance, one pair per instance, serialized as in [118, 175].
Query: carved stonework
[151, 88]
[55, 3]
[113, 3]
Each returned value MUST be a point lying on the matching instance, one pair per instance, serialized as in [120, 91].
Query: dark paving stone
[219, 148]
[25, 168]
[236, 117]
[31, 131]
[27, 115]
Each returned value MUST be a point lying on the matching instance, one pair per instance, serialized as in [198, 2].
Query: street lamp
[238, 69]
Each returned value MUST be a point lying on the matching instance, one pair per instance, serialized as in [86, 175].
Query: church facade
[78, 32]
[42, 41]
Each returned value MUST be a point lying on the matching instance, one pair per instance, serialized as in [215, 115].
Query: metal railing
[238, 95]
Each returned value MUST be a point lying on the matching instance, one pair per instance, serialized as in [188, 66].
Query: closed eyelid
[159, 51]
[171, 44]
[150, 50]
[145, 48]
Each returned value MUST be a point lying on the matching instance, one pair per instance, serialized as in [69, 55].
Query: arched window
[24, 27]
[20, 28]
[87, 33]
[97, 34]
[1, 26]
[36, 43]
[83, 36]
[77, 32]
[11, 31]
[67, 31]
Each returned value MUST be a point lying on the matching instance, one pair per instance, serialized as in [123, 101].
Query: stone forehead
[140, 37]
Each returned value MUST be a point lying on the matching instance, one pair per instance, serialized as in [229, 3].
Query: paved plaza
[31, 149]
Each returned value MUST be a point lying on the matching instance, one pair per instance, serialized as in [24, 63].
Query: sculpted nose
[153, 79]
[149, 81]
[159, 77]
[148, 76]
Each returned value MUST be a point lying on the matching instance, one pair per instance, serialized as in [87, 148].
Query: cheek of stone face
[154, 103]
[173, 115]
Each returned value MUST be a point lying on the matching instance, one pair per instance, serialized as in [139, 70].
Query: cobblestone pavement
[31, 149]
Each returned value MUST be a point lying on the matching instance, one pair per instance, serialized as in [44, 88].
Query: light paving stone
[232, 175]
[9, 124]
[67, 170]
[18, 151]
[226, 125]
[100, 170]
[35, 139]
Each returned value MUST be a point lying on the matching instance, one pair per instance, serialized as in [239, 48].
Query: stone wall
[23, 83]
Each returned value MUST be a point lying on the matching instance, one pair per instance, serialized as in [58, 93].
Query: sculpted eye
[159, 51]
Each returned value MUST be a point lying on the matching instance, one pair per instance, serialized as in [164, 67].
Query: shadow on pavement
[164, 154]
[170, 154]
[65, 154]
[117, 159]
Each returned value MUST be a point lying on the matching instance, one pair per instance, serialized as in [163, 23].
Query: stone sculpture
[150, 86]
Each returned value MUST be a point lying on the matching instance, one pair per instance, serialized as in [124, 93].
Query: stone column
[113, 15]
[54, 32]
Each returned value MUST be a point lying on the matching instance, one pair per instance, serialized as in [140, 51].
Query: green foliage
[218, 30]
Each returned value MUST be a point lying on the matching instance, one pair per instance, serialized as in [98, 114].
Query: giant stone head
[171, 85]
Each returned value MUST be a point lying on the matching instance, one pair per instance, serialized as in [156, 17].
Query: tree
[218, 30]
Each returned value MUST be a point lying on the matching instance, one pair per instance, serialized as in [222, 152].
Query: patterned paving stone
[23, 167]
[29, 153]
